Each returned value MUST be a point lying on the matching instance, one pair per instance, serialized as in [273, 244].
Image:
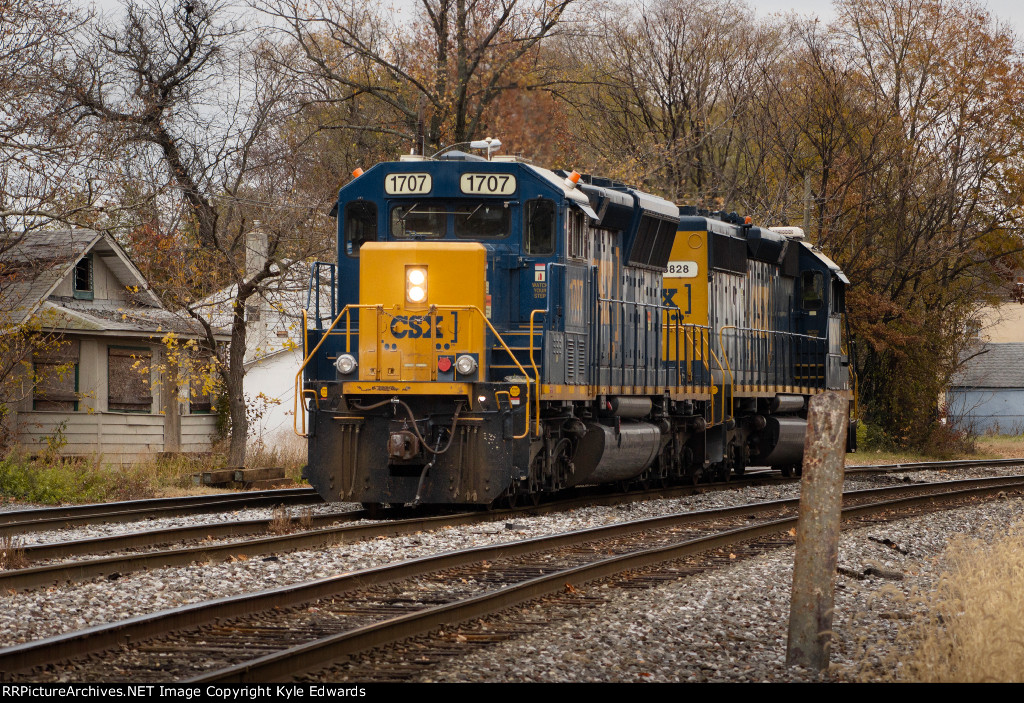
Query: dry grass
[988, 447]
[282, 523]
[283, 449]
[972, 624]
[1002, 446]
[12, 554]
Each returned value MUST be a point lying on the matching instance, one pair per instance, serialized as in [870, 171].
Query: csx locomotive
[493, 331]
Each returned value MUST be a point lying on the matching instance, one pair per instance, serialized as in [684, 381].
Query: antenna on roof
[490, 144]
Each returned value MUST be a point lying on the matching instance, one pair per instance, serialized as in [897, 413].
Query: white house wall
[274, 377]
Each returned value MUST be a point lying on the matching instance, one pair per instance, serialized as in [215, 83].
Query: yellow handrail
[732, 380]
[853, 375]
[380, 310]
[536, 373]
[715, 356]
[302, 366]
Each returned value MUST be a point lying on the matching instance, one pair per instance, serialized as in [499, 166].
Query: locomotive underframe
[418, 449]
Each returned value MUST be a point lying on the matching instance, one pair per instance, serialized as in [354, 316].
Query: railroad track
[932, 465]
[327, 533]
[38, 519]
[277, 633]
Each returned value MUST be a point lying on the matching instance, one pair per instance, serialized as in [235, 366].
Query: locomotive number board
[488, 183]
[407, 183]
[681, 269]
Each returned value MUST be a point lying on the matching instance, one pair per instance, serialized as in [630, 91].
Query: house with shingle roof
[105, 384]
[987, 393]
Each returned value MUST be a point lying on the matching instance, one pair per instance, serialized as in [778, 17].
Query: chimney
[255, 249]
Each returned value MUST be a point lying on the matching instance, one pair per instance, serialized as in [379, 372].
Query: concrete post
[817, 538]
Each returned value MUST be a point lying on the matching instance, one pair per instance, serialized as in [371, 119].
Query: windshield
[471, 219]
[481, 220]
[418, 220]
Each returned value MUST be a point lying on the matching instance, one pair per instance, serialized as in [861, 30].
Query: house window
[83, 278]
[128, 384]
[55, 371]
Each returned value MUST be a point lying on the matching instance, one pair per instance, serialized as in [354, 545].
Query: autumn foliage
[892, 135]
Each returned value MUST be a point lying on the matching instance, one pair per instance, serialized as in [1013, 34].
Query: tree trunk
[233, 381]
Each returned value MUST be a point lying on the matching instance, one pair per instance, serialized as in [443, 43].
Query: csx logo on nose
[415, 327]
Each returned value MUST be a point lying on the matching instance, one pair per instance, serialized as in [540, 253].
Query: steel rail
[937, 465]
[318, 653]
[32, 577]
[81, 570]
[65, 646]
[156, 537]
[21, 521]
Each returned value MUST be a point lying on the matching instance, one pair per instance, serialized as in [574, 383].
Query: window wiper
[475, 210]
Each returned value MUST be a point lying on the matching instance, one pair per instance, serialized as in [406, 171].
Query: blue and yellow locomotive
[495, 331]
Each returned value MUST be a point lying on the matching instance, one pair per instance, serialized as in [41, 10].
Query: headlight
[465, 364]
[346, 364]
[416, 284]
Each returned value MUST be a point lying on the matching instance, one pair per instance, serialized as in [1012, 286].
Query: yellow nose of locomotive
[427, 321]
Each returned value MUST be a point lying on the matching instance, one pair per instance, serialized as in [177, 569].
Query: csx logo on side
[415, 327]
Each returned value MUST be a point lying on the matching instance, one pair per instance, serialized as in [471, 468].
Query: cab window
[540, 227]
[484, 219]
[418, 220]
[360, 225]
[813, 290]
[838, 296]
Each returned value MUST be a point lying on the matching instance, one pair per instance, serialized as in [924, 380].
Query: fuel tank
[607, 454]
[782, 441]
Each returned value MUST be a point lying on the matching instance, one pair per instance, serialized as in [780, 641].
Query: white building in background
[273, 352]
[986, 395]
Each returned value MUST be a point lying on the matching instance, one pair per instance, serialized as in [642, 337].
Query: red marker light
[444, 364]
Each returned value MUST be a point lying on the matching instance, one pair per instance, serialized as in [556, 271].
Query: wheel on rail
[510, 500]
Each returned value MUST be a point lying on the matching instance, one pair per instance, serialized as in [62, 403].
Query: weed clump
[970, 627]
[12, 554]
[280, 522]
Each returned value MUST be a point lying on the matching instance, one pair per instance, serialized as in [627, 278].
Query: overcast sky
[1010, 10]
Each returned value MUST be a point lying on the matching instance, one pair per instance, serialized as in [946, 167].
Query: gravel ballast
[731, 624]
[724, 625]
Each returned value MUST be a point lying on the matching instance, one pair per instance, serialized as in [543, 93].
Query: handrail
[712, 352]
[302, 366]
[526, 430]
[853, 376]
[732, 379]
[536, 373]
[380, 309]
[691, 339]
